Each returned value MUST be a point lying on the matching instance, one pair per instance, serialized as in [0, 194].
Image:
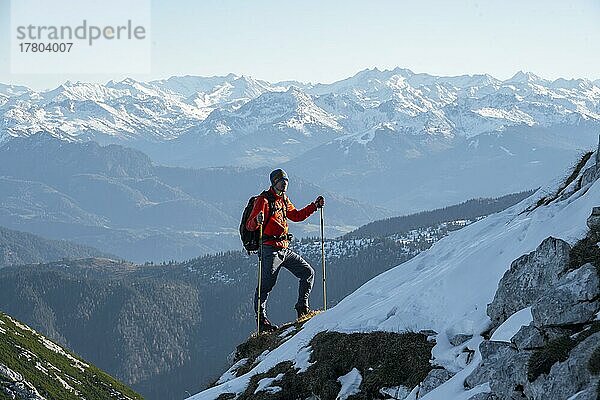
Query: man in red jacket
[275, 251]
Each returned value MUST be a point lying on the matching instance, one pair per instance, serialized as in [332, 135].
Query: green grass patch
[226, 396]
[586, 251]
[24, 352]
[254, 347]
[542, 360]
[384, 359]
[258, 344]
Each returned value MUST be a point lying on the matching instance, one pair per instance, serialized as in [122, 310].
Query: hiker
[275, 251]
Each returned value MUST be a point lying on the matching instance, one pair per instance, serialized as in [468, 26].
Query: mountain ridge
[466, 294]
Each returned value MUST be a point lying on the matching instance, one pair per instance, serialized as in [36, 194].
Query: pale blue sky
[328, 40]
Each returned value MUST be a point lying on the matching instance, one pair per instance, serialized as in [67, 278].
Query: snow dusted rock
[396, 392]
[528, 279]
[484, 396]
[592, 173]
[459, 339]
[593, 221]
[528, 338]
[435, 378]
[568, 377]
[574, 300]
[14, 386]
[598, 153]
[504, 367]
[588, 394]
[8, 374]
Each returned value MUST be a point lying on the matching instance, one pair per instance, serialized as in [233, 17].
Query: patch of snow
[263, 385]
[261, 356]
[397, 392]
[26, 353]
[40, 367]
[454, 387]
[511, 326]
[286, 332]
[9, 374]
[302, 359]
[13, 383]
[20, 325]
[80, 365]
[350, 384]
[230, 373]
[65, 384]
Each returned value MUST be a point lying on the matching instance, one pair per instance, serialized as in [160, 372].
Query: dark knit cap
[277, 175]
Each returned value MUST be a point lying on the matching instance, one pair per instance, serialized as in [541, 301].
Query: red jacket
[277, 224]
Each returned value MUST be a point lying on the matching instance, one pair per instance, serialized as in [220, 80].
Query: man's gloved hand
[320, 202]
[260, 218]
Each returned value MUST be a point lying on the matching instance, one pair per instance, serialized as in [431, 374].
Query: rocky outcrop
[528, 279]
[434, 378]
[574, 299]
[551, 357]
[592, 173]
[569, 377]
[14, 386]
[593, 222]
[528, 338]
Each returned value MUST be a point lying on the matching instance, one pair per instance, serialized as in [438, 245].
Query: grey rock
[14, 386]
[396, 392]
[459, 339]
[504, 367]
[555, 332]
[573, 301]
[598, 154]
[590, 175]
[528, 338]
[428, 332]
[591, 393]
[569, 377]
[484, 396]
[593, 221]
[528, 279]
[434, 378]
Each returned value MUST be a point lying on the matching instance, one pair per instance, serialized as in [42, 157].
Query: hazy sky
[328, 40]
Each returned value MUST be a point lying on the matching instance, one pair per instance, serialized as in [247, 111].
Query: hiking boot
[302, 311]
[266, 326]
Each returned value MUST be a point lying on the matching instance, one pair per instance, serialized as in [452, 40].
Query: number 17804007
[34, 47]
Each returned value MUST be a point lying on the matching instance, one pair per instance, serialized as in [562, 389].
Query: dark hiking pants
[273, 260]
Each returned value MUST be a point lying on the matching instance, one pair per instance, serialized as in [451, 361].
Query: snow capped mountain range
[292, 109]
[163, 110]
[126, 110]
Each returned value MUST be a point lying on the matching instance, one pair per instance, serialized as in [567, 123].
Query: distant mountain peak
[525, 77]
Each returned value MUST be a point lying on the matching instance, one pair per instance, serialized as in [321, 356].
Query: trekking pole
[260, 235]
[323, 262]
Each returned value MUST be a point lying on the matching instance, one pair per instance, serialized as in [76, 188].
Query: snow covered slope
[447, 288]
[33, 367]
